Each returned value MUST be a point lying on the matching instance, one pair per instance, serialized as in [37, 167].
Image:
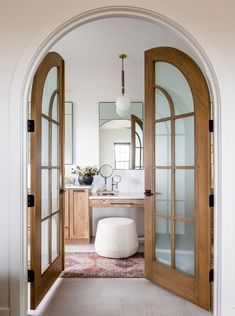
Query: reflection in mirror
[68, 133]
[121, 138]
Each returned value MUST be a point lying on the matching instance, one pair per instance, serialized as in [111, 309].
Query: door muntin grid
[174, 169]
[50, 166]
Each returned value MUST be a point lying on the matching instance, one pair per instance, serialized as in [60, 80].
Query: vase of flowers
[85, 174]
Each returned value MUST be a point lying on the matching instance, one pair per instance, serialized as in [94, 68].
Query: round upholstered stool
[116, 237]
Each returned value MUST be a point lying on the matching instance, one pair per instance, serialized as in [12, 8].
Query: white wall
[24, 25]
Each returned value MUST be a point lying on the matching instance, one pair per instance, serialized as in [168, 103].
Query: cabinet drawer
[116, 203]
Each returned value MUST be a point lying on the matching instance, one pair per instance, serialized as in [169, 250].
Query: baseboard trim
[4, 311]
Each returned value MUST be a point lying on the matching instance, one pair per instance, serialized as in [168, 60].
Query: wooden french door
[177, 175]
[46, 147]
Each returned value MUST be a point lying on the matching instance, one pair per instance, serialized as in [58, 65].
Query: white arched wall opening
[18, 98]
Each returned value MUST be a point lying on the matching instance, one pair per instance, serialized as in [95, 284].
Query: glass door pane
[162, 107]
[184, 141]
[55, 236]
[54, 145]
[44, 245]
[55, 108]
[44, 142]
[170, 78]
[163, 143]
[45, 208]
[163, 192]
[184, 247]
[184, 193]
[55, 190]
[49, 87]
[163, 240]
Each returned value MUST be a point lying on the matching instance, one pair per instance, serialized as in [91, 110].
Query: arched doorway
[33, 60]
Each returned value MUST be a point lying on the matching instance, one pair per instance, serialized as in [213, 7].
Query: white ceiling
[103, 40]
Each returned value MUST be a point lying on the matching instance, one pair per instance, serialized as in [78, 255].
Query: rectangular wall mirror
[121, 138]
[68, 133]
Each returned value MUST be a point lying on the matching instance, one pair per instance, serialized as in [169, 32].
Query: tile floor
[113, 297]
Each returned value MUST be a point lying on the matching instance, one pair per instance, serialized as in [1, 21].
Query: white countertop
[78, 186]
[94, 195]
[120, 195]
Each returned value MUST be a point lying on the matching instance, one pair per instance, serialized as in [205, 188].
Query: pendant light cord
[122, 56]
[123, 78]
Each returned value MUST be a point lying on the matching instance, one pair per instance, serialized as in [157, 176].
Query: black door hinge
[211, 200]
[30, 126]
[211, 126]
[31, 276]
[148, 193]
[211, 275]
[30, 200]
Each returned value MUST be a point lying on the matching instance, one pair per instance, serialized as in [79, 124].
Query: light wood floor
[114, 297]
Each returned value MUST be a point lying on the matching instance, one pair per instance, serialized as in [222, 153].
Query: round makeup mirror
[106, 171]
[117, 178]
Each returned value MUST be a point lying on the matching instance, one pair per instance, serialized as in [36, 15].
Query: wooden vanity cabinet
[77, 228]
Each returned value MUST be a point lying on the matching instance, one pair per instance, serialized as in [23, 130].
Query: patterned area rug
[91, 265]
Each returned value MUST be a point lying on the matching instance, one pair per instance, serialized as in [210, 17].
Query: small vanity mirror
[106, 171]
[116, 179]
[121, 138]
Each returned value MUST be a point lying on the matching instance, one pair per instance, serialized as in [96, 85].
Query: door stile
[61, 96]
[172, 192]
[149, 162]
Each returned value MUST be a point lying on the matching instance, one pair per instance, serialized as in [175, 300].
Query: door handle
[148, 193]
[62, 191]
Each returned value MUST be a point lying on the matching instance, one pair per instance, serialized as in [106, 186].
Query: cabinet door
[79, 215]
[66, 214]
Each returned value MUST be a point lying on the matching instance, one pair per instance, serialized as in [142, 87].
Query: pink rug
[91, 265]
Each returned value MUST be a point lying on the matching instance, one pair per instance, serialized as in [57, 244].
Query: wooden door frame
[18, 96]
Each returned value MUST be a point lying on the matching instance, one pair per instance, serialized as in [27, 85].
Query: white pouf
[116, 237]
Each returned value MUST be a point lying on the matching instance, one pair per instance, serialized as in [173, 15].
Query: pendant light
[123, 102]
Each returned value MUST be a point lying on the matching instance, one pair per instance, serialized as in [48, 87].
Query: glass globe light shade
[122, 113]
[123, 103]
